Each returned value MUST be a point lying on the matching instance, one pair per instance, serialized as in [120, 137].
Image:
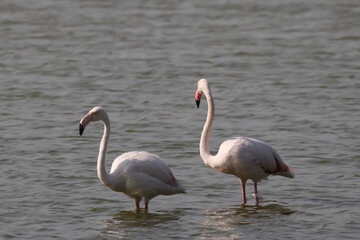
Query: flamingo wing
[156, 168]
[250, 158]
[143, 168]
[268, 159]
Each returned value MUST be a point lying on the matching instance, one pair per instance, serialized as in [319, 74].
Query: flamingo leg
[146, 204]
[137, 203]
[243, 192]
[255, 194]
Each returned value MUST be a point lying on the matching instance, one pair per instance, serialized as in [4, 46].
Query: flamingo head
[203, 85]
[95, 114]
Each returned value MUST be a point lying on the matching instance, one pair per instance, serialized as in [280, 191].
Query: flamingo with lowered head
[139, 175]
[246, 158]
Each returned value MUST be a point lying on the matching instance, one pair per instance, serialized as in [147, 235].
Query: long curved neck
[205, 135]
[103, 175]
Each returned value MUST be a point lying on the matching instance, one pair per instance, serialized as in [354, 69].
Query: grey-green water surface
[286, 72]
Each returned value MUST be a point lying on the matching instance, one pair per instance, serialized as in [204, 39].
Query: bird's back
[144, 174]
[252, 159]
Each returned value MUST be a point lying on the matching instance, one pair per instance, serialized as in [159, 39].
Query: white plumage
[245, 158]
[139, 175]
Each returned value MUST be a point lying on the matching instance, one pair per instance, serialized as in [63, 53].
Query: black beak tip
[81, 129]
[197, 103]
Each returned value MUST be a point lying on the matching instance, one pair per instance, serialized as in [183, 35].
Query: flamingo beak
[85, 121]
[197, 98]
[197, 103]
[81, 129]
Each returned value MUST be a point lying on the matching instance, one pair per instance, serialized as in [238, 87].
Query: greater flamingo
[246, 158]
[139, 175]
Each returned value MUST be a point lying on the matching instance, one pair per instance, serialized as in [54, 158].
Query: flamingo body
[249, 158]
[246, 158]
[139, 175]
[143, 175]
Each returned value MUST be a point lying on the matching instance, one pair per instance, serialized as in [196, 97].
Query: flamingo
[246, 158]
[139, 175]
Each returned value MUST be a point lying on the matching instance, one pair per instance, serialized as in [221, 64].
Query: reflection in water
[231, 223]
[125, 224]
[226, 222]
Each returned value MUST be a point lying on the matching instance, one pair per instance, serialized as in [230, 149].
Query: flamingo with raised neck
[246, 158]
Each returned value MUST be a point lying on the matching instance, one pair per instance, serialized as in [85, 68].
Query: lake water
[285, 72]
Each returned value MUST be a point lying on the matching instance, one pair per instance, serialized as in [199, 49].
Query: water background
[285, 72]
